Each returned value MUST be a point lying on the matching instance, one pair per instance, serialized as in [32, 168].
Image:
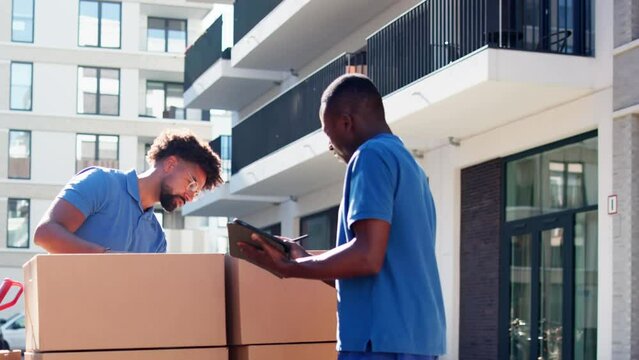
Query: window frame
[32, 22]
[98, 93]
[166, 33]
[28, 225]
[9, 154]
[333, 214]
[97, 147]
[11, 85]
[99, 45]
[165, 85]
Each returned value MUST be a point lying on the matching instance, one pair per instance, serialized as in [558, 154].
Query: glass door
[540, 288]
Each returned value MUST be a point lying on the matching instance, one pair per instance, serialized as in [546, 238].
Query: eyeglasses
[193, 187]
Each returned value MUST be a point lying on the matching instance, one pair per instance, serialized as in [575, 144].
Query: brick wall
[479, 282]
[626, 21]
[625, 84]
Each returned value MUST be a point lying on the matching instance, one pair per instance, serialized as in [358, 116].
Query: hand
[268, 257]
[296, 250]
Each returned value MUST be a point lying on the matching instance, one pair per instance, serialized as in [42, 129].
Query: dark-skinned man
[390, 303]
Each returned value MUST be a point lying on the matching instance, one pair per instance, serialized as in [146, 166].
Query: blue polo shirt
[401, 309]
[110, 201]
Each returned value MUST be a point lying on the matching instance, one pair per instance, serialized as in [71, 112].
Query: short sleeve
[372, 183]
[87, 191]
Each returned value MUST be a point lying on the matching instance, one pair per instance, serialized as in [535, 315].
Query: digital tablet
[240, 231]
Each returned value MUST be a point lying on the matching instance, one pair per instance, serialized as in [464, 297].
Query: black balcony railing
[438, 32]
[290, 116]
[206, 50]
[247, 13]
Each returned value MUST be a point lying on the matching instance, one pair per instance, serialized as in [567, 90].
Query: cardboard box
[165, 354]
[124, 301]
[317, 351]
[262, 309]
[10, 355]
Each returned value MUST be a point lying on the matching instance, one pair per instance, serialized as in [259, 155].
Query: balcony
[456, 68]
[285, 159]
[445, 68]
[288, 36]
[210, 82]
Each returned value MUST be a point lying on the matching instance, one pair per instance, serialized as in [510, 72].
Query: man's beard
[168, 200]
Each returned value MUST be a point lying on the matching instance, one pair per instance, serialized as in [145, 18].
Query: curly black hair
[185, 145]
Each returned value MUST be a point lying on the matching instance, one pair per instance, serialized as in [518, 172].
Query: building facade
[522, 113]
[86, 82]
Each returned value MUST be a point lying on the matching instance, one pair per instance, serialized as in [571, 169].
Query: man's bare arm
[362, 256]
[55, 232]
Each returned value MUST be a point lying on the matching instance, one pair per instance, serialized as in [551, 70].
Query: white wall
[59, 30]
[129, 94]
[130, 27]
[54, 89]
[128, 154]
[52, 157]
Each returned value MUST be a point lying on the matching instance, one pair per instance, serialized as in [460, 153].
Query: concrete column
[625, 236]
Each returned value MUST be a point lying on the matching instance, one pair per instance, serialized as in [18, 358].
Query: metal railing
[206, 50]
[247, 13]
[288, 117]
[438, 32]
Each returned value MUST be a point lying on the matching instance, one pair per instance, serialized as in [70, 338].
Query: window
[553, 180]
[22, 21]
[96, 150]
[275, 229]
[321, 229]
[164, 100]
[98, 91]
[166, 35]
[99, 24]
[19, 154]
[550, 285]
[21, 85]
[225, 154]
[18, 223]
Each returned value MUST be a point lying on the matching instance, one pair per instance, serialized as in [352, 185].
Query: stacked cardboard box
[274, 319]
[10, 355]
[105, 306]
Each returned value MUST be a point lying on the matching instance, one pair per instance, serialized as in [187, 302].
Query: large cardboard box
[317, 351]
[124, 301]
[164, 354]
[10, 355]
[263, 309]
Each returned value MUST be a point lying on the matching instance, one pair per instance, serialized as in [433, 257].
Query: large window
[553, 180]
[166, 35]
[19, 154]
[99, 24]
[321, 228]
[21, 86]
[551, 240]
[22, 21]
[18, 223]
[97, 150]
[164, 100]
[98, 91]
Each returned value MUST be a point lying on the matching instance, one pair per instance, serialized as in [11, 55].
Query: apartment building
[522, 113]
[87, 82]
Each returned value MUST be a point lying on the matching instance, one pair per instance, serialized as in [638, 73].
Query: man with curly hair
[102, 210]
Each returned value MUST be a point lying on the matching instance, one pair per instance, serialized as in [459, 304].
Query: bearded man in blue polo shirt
[390, 303]
[103, 209]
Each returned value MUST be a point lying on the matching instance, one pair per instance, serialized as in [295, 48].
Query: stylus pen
[300, 238]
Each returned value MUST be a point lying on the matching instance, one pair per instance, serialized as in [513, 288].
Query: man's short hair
[352, 91]
[185, 145]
